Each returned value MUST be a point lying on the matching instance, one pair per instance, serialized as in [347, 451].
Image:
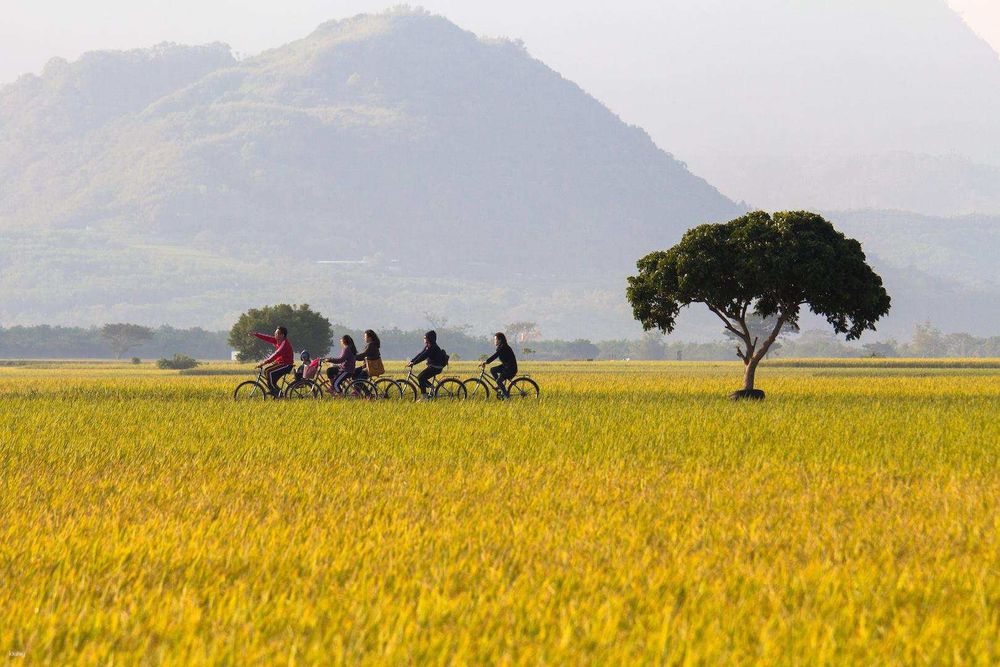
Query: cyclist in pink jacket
[281, 362]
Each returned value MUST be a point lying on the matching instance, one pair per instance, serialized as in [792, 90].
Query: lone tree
[764, 266]
[307, 330]
[123, 337]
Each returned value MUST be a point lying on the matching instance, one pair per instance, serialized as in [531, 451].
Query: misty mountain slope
[766, 98]
[455, 162]
[935, 185]
[476, 183]
[401, 126]
[54, 128]
[961, 249]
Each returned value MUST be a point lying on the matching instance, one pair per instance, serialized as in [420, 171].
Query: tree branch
[751, 346]
[727, 323]
[771, 338]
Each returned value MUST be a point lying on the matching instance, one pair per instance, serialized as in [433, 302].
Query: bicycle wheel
[477, 390]
[360, 389]
[451, 388]
[409, 389]
[388, 389]
[302, 389]
[523, 388]
[251, 390]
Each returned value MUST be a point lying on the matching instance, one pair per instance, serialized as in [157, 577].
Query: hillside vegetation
[457, 175]
[398, 137]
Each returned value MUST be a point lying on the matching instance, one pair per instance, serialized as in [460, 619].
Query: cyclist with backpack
[507, 368]
[436, 359]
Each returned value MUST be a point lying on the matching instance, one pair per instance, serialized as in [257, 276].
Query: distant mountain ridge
[768, 98]
[442, 174]
[395, 136]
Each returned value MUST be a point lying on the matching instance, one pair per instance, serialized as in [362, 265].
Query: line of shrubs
[179, 362]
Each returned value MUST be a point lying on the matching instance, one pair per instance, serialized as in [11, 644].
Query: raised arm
[267, 339]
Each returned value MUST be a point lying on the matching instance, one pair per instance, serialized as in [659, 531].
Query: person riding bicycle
[283, 359]
[436, 359]
[507, 368]
[345, 364]
[372, 354]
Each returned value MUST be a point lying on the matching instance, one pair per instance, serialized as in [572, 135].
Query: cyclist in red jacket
[283, 359]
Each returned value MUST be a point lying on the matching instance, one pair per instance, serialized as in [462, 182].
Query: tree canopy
[307, 330]
[762, 265]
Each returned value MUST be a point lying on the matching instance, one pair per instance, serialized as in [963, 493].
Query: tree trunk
[748, 375]
[748, 393]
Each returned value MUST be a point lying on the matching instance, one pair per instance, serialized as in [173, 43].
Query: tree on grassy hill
[307, 330]
[123, 337]
[765, 266]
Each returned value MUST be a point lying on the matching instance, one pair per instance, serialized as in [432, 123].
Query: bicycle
[258, 390]
[321, 385]
[520, 387]
[448, 388]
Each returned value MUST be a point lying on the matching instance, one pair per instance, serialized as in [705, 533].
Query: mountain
[935, 185]
[156, 180]
[770, 99]
[388, 169]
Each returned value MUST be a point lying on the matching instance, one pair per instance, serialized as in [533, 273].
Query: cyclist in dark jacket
[435, 358]
[507, 368]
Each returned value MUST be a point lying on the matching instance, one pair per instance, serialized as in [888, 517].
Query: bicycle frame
[488, 379]
[412, 378]
[282, 383]
[491, 382]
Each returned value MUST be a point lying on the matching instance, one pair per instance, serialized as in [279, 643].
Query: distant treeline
[48, 342]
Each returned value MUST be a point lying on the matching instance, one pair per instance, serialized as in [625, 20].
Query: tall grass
[633, 514]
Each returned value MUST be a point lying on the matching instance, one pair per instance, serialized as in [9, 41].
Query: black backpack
[445, 358]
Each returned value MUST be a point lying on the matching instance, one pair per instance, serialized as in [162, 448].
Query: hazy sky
[32, 31]
[608, 48]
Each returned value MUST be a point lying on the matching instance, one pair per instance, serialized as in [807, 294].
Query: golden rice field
[633, 515]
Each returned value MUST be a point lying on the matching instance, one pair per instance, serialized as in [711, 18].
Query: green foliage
[307, 330]
[764, 266]
[123, 337]
[178, 362]
[136, 361]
